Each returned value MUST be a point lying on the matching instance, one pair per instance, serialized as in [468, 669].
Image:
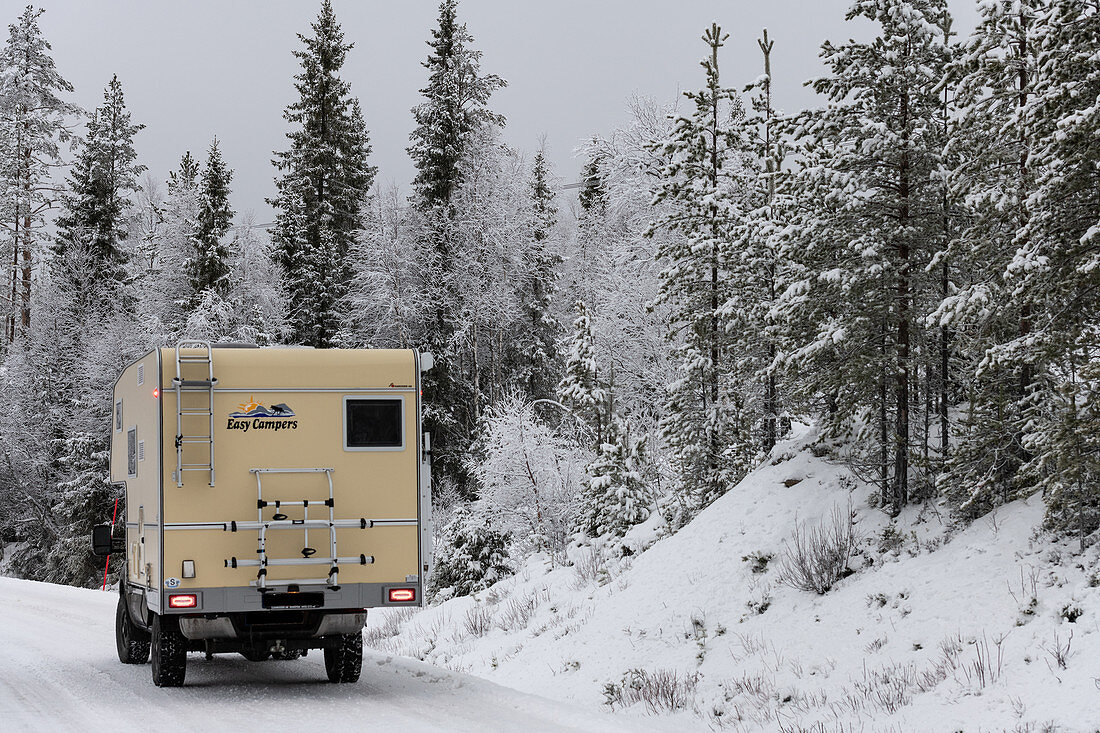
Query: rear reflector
[188, 600]
[402, 595]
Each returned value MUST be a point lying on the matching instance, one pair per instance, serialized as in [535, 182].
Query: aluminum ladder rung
[195, 412]
[272, 562]
[280, 503]
[293, 581]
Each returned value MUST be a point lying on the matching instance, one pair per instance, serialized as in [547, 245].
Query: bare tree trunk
[901, 374]
[771, 407]
[9, 320]
[1021, 101]
[884, 431]
[945, 334]
[476, 397]
[927, 397]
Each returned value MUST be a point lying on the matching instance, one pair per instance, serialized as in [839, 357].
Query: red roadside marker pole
[114, 516]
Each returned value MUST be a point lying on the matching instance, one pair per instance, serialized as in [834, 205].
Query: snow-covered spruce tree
[755, 260]
[32, 127]
[991, 145]
[471, 556]
[615, 496]
[455, 104]
[867, 229]
[704, 181]
[580, 389]
[209, 265]
[454, 112]
[101, 182]
[535, 342]
[1055, 274]
[324, 177]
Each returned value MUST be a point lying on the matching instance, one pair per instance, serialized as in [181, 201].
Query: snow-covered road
[59, 671]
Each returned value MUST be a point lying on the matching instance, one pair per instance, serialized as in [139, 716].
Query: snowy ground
[992, 627]
[59, 671]
[937, 630]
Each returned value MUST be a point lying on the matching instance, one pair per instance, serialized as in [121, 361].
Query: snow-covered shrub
[590, 566]
[478, 621]
[817, 556]
[472, 555]
[529, 477]
[662, 691]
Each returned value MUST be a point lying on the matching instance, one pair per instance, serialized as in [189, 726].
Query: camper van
[273, 495]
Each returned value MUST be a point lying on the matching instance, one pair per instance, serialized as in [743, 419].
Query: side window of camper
[118, 416]
[131, 452]
[374, 423]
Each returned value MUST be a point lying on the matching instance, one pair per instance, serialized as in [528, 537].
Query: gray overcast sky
[194, 69]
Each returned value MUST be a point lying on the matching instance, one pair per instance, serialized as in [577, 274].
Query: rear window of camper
[373, 423]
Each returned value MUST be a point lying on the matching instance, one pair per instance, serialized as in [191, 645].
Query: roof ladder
[194, 384]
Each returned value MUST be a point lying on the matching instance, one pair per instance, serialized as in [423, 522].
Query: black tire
[169, 652]
[344, 658]
[131, 641]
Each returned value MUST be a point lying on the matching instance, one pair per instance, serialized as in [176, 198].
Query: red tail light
[187, 600]
[402, 595]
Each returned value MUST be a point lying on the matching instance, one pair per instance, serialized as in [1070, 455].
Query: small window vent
[118, 416]
[141, 374]
[141, 450]
[131, 452]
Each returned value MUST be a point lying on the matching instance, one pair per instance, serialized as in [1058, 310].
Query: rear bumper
[252, 626]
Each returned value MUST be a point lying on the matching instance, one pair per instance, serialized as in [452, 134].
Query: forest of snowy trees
[914, 265]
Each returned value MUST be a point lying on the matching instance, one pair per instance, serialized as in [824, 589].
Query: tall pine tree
[32, 126]
[453, 114]
[103, 178]
[324, 179]
[536, 343]
[992, 143]
[704, 182]
[863, 245]
[209, 265]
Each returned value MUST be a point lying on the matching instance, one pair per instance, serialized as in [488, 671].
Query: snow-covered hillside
[59, 672]
[991, 627]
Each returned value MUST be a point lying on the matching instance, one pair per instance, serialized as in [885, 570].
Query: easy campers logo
[254, 416]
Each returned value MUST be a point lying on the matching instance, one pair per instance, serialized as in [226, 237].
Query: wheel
[344, 659]
[131, 641]
[169, 652]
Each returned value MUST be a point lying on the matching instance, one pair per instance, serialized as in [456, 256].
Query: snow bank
[935, 630]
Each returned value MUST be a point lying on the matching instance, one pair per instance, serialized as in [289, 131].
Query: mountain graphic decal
[255, 409]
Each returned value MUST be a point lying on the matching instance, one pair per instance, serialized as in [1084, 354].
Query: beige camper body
[271, 479]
